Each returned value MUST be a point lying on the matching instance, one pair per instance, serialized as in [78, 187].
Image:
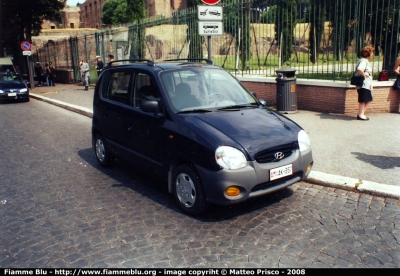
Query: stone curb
[75, 108]
[352, 184]
[315, 177]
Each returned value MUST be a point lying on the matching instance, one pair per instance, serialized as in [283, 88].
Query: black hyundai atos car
[194, 124]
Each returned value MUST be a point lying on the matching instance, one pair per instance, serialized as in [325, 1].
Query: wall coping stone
[325, 83]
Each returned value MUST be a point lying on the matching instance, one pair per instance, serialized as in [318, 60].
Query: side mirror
[152, 107]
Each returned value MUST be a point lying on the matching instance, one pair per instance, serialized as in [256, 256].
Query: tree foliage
[20, 19]
[136, 35]
[123, 11]
[357, 24]
[383, 23]
[269, 16]
[284, 27]
[317, 18]
[195, 44]
[115, 12]
[136, 9]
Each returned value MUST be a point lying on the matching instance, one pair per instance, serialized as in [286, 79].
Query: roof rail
[149, 62]
[209, 61]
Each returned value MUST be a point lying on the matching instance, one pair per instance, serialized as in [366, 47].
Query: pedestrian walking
[85, 74]
[39, 73]
[51, 74]
[46, 73]
[365, 91]
[100, 65]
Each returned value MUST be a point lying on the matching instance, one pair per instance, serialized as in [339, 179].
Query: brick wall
[327, 96]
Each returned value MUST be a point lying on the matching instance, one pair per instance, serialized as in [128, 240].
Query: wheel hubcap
[185, 190]
[100, 150]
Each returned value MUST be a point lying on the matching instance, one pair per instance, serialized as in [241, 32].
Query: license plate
[12, 94]
[280, 172]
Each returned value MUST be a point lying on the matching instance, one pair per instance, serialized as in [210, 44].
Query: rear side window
[118, 87]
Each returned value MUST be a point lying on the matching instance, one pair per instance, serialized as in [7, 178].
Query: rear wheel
[102, 154]
[188, 190]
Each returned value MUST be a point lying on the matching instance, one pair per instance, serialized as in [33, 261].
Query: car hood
[252, 130]
[12, 86]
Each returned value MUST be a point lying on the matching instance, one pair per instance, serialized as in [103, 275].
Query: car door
[145, 129]
[115, 105]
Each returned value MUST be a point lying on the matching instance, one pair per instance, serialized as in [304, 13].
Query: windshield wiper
[238, 106]
[194, 111]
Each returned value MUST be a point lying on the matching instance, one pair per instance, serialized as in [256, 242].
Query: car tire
[101, 151]
[188, 190]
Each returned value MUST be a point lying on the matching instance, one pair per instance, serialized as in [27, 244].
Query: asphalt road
[59, 208]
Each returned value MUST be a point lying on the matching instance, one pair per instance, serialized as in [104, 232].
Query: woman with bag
[364, 69]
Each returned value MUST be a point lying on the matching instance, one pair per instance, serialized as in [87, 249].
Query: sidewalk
[362, 156]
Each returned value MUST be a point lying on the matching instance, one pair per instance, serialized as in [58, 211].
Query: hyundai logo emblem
[279, 155]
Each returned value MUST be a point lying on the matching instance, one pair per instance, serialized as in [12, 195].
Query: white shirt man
[85, 74]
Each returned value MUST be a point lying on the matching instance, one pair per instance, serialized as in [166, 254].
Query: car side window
[118, 87]
[144, 89]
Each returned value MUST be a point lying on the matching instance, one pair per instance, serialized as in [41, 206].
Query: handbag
[396, 84]
[357, 80]
[383, 76]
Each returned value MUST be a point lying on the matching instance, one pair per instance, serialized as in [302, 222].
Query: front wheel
[102, 154]
[188, 190]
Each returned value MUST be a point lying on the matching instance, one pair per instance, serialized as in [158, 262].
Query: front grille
[268, 155]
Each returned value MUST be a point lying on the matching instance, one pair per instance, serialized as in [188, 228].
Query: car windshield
[7, 79]
[204, 88]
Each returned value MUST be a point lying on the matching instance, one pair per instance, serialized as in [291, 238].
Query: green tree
[136, 34]
[269, 16]
[195, 42]
[284, 27]
[20, 19]
[237, 23]
[137, 9]
[115, 12]
[383, 23]
[361, 23]
[317, 18]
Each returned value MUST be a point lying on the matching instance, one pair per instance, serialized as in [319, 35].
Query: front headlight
[24, 90]
[1, 92]
[230, 158]
[304, 141]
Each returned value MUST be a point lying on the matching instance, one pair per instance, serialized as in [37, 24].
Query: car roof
[5, 61]
[166, 64]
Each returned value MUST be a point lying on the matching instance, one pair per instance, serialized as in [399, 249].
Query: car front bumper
[254, 179]
[14, 96]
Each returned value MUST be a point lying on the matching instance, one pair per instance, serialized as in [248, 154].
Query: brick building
[88, 14]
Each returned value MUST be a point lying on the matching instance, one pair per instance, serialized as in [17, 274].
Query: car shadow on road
[379, 161]
[156, 189]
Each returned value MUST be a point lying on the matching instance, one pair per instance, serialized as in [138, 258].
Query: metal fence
[321, 39]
